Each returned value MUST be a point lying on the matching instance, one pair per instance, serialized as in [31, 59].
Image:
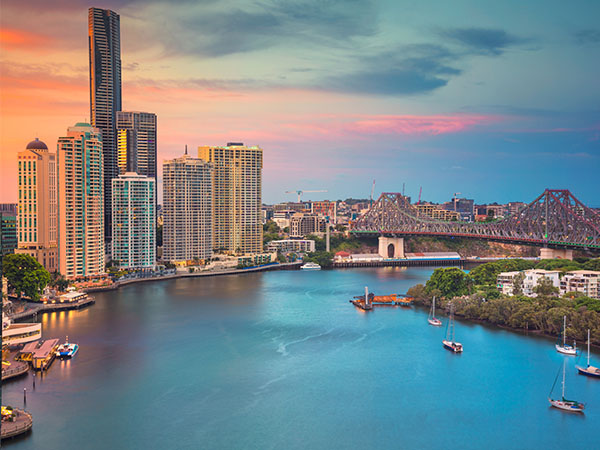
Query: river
[281, 360]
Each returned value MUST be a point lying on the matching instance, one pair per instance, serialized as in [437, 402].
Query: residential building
[237, 197]
[303, 224]
[436, 212]
[586, 282]
[506, 281]
[134, 228]
[136, 142]
[325, 208]
[291, 246]
[10, 208]
[8, 233]
[187, 209]
[104, 36]
[38, 216]
[514, 207]
[81, 202]
[282, 218]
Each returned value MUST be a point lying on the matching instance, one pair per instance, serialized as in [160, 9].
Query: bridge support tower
[391, 247]
[553, 253]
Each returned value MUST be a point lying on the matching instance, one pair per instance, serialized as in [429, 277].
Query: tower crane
[372, 192]
[300, 192]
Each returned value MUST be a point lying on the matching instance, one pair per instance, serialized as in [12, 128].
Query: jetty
[12, 369]
[369, 300]
[36, 308]
[40, 354]
[15, 422]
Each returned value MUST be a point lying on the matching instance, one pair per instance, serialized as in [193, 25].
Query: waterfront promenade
[22, 423]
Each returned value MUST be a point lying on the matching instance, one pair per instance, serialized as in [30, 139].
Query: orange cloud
[12, 38]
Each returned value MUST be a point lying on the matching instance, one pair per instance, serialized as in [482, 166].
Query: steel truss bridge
[555, 219]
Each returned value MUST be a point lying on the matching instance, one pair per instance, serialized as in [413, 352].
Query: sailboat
[589, 371]
[449, 342]
[563, 403]
[432, 319]
[565, 348]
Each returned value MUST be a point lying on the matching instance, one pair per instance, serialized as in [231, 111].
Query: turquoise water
[281, 360]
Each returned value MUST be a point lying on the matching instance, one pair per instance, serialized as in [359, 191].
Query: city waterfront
[282, 360]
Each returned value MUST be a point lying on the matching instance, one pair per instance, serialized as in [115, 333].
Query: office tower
[133, 227]
[81, 202]
[105, 92]
[187, 209]
[237, 196]
[38, 221]
[8, 233]
[136, 139]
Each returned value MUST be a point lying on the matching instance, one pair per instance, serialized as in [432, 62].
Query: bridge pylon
[391, 247]
[553, 253]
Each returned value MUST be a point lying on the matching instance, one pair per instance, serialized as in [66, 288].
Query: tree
[58, 281]
[452, 282]
[518, 284]
[545, 288]
[322, 258]
[159, 236]
[25, 275]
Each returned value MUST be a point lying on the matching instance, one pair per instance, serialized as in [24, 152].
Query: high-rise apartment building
[105, 92]
[133, 227]
[136, 142]
[187, 209]
[81, 202]
[38, 220]
[8, 233]
[237, 197]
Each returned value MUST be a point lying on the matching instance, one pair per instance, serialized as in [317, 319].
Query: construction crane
[372, 192]
[299, 193]
[456, 194]
[420, 192]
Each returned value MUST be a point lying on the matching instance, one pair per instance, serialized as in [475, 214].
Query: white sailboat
[432, 319]
[563, 403]
[449, 342]
[589, 371]
[565, 348]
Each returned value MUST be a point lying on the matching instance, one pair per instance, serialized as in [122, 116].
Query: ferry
[310, 266]
[67, 350]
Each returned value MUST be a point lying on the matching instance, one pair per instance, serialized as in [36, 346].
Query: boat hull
[567, 406]
[68, 353]
[435, 322]
[455, 347]
[592, 372]
[566, 350]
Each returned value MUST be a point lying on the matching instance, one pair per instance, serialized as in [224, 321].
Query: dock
[40, 354]
[21, 422]
[37, 308]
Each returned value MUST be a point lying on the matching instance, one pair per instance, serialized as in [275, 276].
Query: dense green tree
[58, 281]
[25, 275]
[592, 264]
[518, 283]
[545, 288]
[451, 282]
[322, 258]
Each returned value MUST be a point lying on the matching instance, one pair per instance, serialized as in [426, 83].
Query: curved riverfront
[282, 360]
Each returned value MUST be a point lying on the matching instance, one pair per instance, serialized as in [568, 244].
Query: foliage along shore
[476, 298]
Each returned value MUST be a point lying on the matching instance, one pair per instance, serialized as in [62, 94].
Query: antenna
[186, 149]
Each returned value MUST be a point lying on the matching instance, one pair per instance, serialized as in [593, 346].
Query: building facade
[38, 215]
[436, 212]
[325, 208]
[587, 282]
[303, 224]
[8, 233]
[136, 142]
[81, 202]
[505, 281]
[133, 227]
[291, 245]
[237, 197]
[187, 209]
[104, 37]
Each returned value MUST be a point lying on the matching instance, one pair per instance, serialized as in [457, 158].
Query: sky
[495, 100]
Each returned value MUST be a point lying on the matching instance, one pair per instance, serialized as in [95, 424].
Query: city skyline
[494, 106]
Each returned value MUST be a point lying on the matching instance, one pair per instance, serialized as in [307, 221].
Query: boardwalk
[22, 423]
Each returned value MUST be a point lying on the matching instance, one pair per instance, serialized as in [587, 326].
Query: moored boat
[67, 350]
[432, 319]
[589, 370]
[565, 348]
[564, 404]
[310, 266]
[449, 343]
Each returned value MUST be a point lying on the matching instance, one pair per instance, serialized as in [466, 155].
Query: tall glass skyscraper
[105, 93]
[136, 140]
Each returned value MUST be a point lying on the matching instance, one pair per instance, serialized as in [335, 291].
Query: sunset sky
[496, 100]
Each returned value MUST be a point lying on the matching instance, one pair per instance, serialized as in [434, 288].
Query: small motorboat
[67, 350]
[310, 266]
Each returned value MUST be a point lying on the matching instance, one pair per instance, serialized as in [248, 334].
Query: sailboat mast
[588, 347]
[564, 330]
[433, 312]
[563, 383]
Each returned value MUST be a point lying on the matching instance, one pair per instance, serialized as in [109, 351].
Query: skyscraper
[105, 92]
[136, 139]
[187, 209]
[134, 228]
[38, 221]
[81, 202]
[237, 197]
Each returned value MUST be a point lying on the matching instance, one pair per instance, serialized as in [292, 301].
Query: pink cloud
[419, 125]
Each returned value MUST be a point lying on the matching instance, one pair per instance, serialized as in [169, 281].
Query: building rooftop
[36, 144]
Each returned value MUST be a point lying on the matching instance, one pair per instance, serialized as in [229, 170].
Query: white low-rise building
[505, 280]
[291, 245]
[584, 281]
